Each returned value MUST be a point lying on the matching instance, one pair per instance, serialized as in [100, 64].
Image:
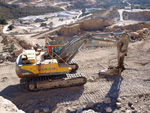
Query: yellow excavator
[52, 66]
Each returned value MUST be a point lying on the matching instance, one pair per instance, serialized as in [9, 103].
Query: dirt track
[133, 86]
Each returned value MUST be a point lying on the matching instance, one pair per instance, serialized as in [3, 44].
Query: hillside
[142, 3]
[10, 12]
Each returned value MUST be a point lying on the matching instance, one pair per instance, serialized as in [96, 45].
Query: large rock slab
[7, 106]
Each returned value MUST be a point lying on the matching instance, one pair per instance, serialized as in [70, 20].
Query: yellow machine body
[30, 64]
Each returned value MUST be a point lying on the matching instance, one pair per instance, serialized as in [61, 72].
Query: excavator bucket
[122, 47]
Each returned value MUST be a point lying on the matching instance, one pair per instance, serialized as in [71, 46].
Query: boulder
[89, 111]
[69, 30]
[118, 104]
[108, 109]
[118, 99]
[90, 105]
[128, 111]
[107, 100]
[79, 110]
[46, 109]
[36, 111]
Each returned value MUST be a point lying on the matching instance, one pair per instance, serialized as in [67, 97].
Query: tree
[3, 21]
[43, 24]
[10, 27]
[11, 48]
[51, 24]
[20, 22]
[83, 10]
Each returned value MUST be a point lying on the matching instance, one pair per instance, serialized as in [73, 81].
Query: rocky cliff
[94, 24]
[69, 30]
[142, 15]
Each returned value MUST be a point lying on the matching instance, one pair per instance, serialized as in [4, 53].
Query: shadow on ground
[113, 94]
[29, 101]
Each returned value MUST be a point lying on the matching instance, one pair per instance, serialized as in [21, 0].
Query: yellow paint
[126, 37]
[45, 68]
[57, 45]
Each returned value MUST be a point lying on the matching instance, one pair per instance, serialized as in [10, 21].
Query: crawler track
[55, 81]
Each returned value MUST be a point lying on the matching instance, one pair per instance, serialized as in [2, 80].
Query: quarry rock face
[17, 52]
[69, 30]
[7, 106]
[94, 24]
[142, 15]
[24, 44]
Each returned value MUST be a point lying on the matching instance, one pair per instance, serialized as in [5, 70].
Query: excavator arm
[122, 47]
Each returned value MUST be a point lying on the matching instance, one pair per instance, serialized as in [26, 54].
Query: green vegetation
[10, 27]
[9, 49]
[100, 4]
[83, 10]
[143, 3]
[51, 25]
[43, 25]
[3, 21]
[11, 12]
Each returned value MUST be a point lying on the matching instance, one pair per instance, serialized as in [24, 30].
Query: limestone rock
[89, 111]
[7, 106]
[107, 100]
[91, 79]
[69, 30]
[129, 104]
[108, 109]
[90, 105]
[36, 111]
[118, 104]
[128, 111]
[46, 110]
[132, 107]
[135, 111]
[79, 110]
[118, 99]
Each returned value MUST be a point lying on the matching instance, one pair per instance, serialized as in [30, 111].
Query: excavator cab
[54, 47]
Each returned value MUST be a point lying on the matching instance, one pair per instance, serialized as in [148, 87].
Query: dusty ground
[133, 86]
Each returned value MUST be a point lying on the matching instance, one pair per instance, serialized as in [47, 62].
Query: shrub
[10, 27]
